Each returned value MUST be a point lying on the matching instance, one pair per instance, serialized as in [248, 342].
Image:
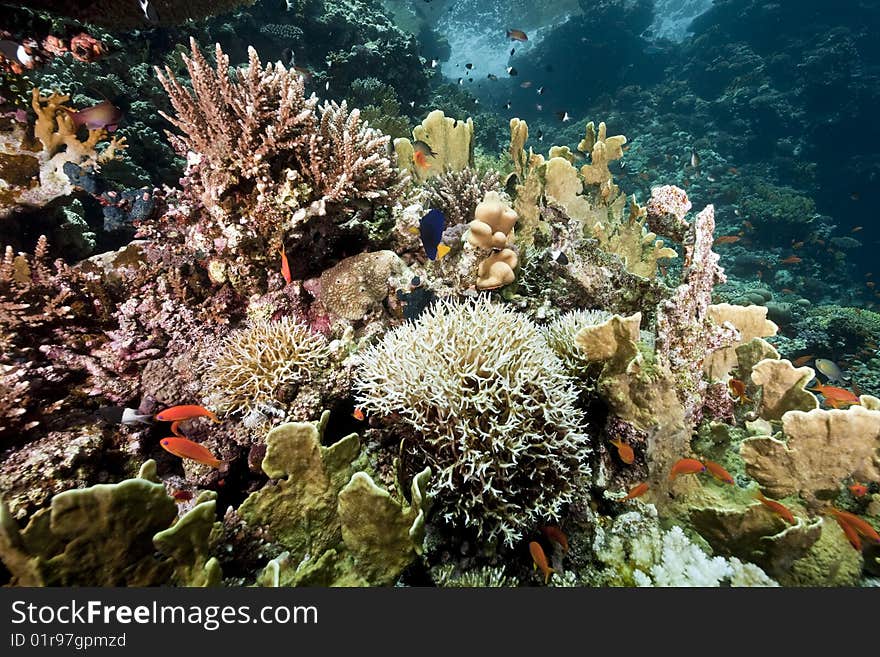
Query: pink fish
[103, 115]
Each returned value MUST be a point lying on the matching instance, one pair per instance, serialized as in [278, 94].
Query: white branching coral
[482, 399]
[560, 336]
[637, 551]
[256, 364]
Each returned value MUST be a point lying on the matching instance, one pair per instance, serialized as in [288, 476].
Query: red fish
[187, 449]
[285, 267]
[540, 560]
[857, 489]
[636, 491]
[834, 396]
[186, 412]
[776, 507]
[727, 239]
[718, 472]
[802, 360]
[686, 466]
[556, 535]
[182, 495]
[624, 451]
[861, 526]
[738, 390]
[790, 260]
[358, 414]
[517, 35]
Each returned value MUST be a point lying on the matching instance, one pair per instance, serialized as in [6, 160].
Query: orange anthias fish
[835, 397]
[738, 390]
[851, 534]
[776, 507]
[686, 466]
[857, 489]
[727, 239]
[636, 491]
[540, 560]
[861, 526]
[718, 472]
[285, 266]
[624, 451]
[187, 449]
[802, 360]
[186, 412]
[358, 414]
[517, 35]
[790, 260]
[556, 535]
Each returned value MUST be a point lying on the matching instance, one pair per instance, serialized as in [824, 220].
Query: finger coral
[485, 403]
[259, 365]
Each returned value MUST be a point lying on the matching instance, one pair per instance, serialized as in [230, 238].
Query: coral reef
[450, 139]
[636, 551]
[480, 398]
[820, 449]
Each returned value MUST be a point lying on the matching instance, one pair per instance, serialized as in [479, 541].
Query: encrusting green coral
[109, 535]
[336, 526]
[482, 400]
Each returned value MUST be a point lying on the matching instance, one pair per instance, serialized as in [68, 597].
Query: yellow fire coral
[782, 388]
[587, 195]
[602, 150]
[821, 449]
[452, 141]
[749, 321]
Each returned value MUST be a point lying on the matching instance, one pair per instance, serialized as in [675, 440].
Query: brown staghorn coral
[686, 334]
[457, 193]
[267, 166]
[258, 366]
[258, 147]
[236, 130]
[482, 399]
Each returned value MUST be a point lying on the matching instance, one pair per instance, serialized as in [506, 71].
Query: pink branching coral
[685, 332]
[51, 325]
[263, 158]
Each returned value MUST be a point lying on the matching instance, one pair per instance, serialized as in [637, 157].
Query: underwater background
[439, 293]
